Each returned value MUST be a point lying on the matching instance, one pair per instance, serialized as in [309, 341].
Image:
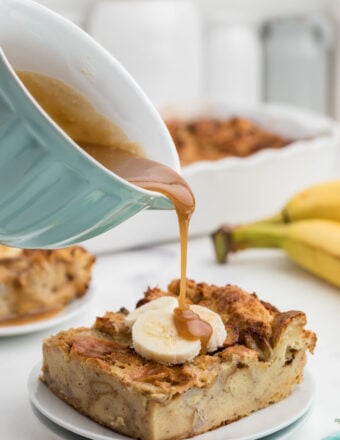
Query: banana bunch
[307, 229]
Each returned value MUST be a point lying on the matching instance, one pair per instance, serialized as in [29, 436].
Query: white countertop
[120, 279]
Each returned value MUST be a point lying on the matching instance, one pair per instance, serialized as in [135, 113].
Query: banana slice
[219, 333]
[155, 337]
[163, 303]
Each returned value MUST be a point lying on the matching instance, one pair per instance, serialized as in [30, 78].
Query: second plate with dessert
[70, 311]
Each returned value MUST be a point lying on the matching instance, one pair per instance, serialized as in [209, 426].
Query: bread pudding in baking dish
[98, 371]
[35, 283]
[209, 138]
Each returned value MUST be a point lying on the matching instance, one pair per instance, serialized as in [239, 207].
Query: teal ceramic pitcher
[52, 194]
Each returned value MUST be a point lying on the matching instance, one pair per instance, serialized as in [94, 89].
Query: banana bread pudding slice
[97, 371]
[34, 282]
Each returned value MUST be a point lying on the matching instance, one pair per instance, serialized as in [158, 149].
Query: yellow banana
[313, 244]
[319, 201]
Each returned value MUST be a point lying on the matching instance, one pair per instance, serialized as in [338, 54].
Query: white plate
[262, 423]
[69, 312]
[63, 434]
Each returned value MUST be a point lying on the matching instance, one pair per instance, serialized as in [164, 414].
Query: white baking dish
[236, 190]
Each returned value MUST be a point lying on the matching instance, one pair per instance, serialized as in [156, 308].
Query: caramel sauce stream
[107, 143]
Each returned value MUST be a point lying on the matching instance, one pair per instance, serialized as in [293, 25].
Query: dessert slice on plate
[34, 283]
[258, 361]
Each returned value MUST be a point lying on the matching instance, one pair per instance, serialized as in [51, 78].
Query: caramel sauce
[106, 143]
[29, 319]
[74, 114]
[190, 326]
[89, 346]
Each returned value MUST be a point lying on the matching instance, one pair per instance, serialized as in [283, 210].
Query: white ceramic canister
[234, 59]
[158, 42]
[298, 58]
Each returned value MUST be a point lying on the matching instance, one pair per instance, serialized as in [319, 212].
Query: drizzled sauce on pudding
[106, 143]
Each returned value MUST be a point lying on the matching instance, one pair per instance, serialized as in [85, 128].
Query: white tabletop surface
[120, 279]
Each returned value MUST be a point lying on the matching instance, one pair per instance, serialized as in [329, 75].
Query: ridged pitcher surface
[52, 193]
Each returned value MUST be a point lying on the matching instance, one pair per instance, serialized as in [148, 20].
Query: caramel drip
[106, 143]
[183, 221]
[190, 326]
[153, 176]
